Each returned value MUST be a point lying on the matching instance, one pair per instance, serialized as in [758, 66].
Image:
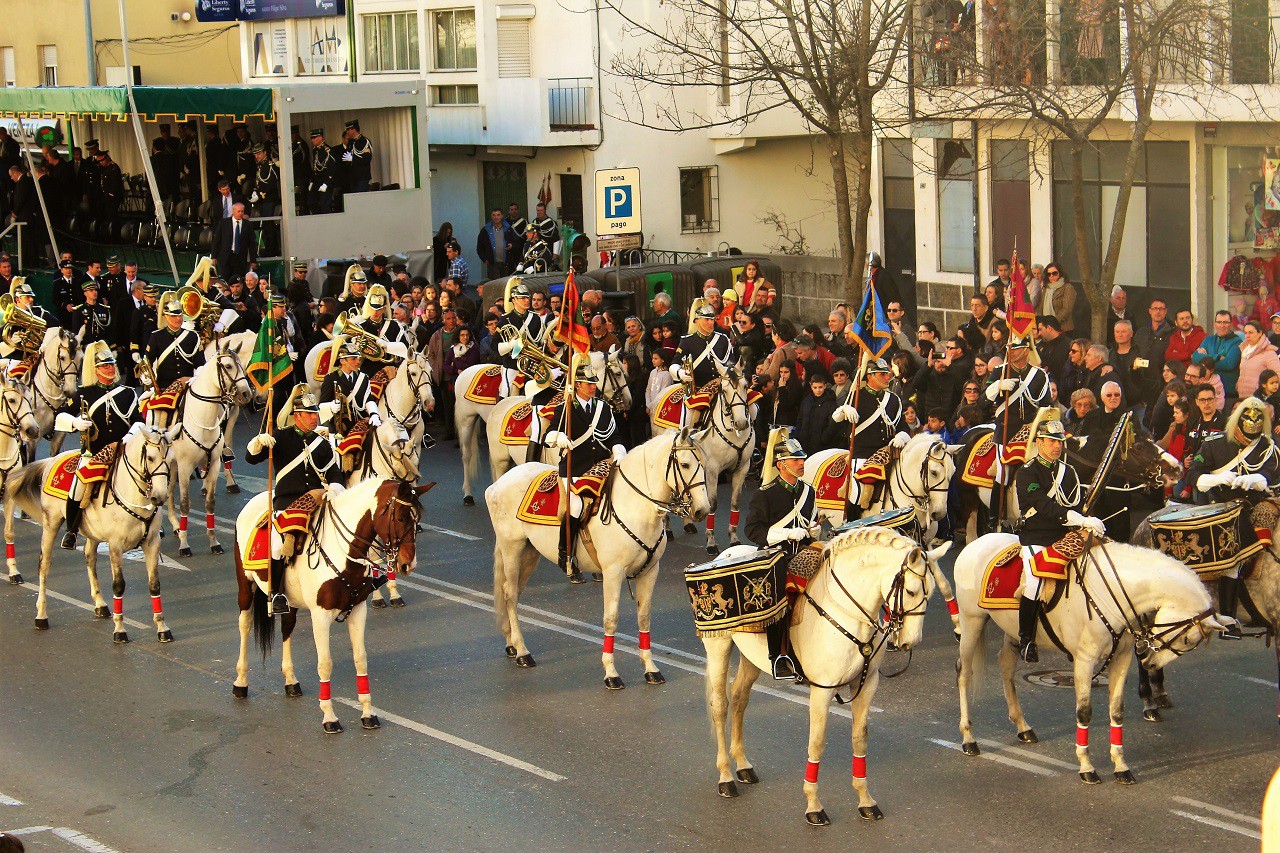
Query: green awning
[182, 102]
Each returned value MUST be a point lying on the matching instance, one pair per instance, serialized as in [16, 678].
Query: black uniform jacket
[705, 370]
[1045, 493]
[1023, 402]
[772, 503]
[1263, 458]
[316, 464]
[879, 420]
[170, 362]
[113, 409]
[592, 436]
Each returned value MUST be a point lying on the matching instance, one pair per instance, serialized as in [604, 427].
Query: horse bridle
[736, 399]
[60, 377]
[680, 503]
[416, 386]
[142, 478]
[11, 425]
[224, 399]
[921, 501]
[383, 451]
[895, 615]
[617, 383]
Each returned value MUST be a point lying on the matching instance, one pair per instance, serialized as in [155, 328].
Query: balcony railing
[571, 103]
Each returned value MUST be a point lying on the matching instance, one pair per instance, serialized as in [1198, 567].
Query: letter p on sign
[618, 202]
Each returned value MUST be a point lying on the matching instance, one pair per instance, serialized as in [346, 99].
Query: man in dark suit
[233, 244]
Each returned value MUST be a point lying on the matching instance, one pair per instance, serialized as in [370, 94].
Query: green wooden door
[505, 183]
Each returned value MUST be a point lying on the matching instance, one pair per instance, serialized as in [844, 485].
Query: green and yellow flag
[270, 362]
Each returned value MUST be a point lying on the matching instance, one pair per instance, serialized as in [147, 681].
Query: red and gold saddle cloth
[670, 409]
[516, 423]
[592, 482]
[99, 465]
[542, 501]
[1015, 452]
[380, 380]
[1001, 580]
[296, 516]
[979, 467]
[875, 468]
[166, 400]
[486, 386]
[255, 556]
[20, 369]
[61, 474]
[322, 363]
[351, 442]
[831, 483]
[700, 399]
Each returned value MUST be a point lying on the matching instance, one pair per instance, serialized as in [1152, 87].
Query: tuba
[537, 365]
[370, 345]
[199, 311]
[24, 329]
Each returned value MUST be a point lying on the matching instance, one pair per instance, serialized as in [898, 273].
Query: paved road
[141, 746]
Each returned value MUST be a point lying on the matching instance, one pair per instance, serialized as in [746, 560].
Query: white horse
[242, 344]
[217, 388]
[18, 425]
[407, 397]
[838, 635]
[124, 514]
[467, 412]
[51, 381]
[665, 474]
[369, 526]
[1117, 591]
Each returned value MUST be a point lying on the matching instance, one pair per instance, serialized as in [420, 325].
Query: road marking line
[84, 605]
[1000, 759]
[28, 830]
[1261, 681]
[461, 743]
[447, 532]
[1229, 827]
[9, 801]
[1026, 753]
[797, 698]
[134, 554]
[1219, 810]
[84, 842]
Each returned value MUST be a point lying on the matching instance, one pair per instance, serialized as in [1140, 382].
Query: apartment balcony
[524, 112]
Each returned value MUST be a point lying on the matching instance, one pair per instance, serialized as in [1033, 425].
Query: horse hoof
[238, 692]
[233, 489]
[690, 528]
[378, 603]
[42, 624]
[713, 550]
[1029, 736]
[1090, 778]
[102, 612]
[333, 728]
[15, 579]
[1164, 702]
[120, 637]
[613, 682]
[215, 549]
[818, 818]
[1125, 777]
[511, 651]
[467, 500]
[728, 790]
[970, 749]
[747, 776]
[577, 577]
[870, 813]
[1152, 715]
[184, 552]
[597, 577]
[526, 661]
[370, 722]
[293, 691]
[165, 636]
[654, 677]
[397, 602]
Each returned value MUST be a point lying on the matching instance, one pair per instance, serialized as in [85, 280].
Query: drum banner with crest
[735, 594]
[1206, 539]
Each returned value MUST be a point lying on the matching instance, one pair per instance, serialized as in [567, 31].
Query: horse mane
[864, 536]
[1169, 573]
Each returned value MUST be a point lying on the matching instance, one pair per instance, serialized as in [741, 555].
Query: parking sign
[617, 201]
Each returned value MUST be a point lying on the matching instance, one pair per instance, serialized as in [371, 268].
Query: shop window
[699, 200]
[270, 41]
[455, 39]
[390, 42]
[322, 47]
[956, 225]
[1010, 198]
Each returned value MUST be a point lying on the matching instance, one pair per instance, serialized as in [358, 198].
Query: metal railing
[571, 103]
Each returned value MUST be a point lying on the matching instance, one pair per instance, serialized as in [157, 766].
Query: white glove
[260, 442]
[1206, 482]
[371, 408]
[815, 530]
[1008, 384]
[845, 413]
[517, 347]
[798, 534]
[324, 188]
[346, 157]
[680, 374]
[329, 409]
[218, 327]
[137, 357]
[334, 489]
[81, 424]
[899, 441]
[555, 438]
[1254, 482]
[254, 197]
[619, 453]
[505, 347]
[778, 535]
[375, 420]
[1088, 522]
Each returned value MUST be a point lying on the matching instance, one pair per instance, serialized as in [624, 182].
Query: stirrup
[69, 541]
[1232, 628]
[1027, 651]
[279, 604]
[784, 669]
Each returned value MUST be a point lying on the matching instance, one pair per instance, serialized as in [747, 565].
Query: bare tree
[828, 60]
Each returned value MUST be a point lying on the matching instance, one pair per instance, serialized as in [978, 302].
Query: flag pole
[271, 423]
[864, 359]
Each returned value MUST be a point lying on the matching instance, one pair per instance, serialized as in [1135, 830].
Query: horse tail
[264, 626]
[25, 486]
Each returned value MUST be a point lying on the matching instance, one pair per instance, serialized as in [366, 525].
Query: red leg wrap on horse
[811, 772]
[711, 522]
[156, 607]
[608, 644]
[227, 465]
[860, 767]
[210, 520]
[644, 640]
[391, 574]
[1082, 735]
[8, 550]
[733, 517]
[952, 607]
[362, 685]
[182, 523]
[1117, 735]
[324, 691]
[117, 605]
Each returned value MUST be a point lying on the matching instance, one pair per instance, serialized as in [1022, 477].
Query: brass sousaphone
[20, 326]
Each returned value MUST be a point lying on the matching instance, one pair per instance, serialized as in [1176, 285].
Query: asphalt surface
[142, 747]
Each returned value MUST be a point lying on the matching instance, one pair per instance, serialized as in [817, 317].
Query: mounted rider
[354, 288]
[1242, 464]
[1050, 496]
[698, 359]
[538, 255]
[105, 413]
[356, 401]
[519, 327]
[783, 515]
[25, 298]
[20, 335]
[1021, 389]
[587, 432]
[307, 461]
[877, 420]
[375, 319]
[174, 352]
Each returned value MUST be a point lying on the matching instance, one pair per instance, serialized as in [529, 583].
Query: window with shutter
[10, 74]
[49, 64]
[513, 48]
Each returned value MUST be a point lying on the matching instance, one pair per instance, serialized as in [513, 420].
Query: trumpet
[144, 373]
[198, 310]
[27, 330]
[370, 345]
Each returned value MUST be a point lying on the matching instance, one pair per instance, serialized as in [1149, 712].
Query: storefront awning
[182, 102]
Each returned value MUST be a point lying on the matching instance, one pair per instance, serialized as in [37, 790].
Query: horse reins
[679, 503]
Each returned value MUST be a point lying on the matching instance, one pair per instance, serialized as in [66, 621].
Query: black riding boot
[567, 561]
[996, 514]
[1228, 598]
[73, 523]
[1028, 615]
[279, 603]
[776, 634]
